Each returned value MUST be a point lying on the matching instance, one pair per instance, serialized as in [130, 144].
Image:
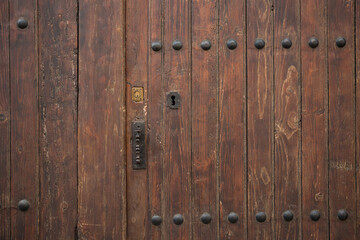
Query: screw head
[231, 44]
[177, 45]
[22, 23]
[342, 214]
[288, 215]
[286, 43]
[313, 42]
[205, 45]
[178, 219]
[340, 42]
[23, 205]
[260, 217]
[233, 217]
[156, 46]
[259, 43]
[315, 215]
[156, 220]
[205, 218]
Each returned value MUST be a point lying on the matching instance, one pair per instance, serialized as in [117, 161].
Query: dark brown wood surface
[232, 119]
[342, 191]
[24, 120]
[4, 122]
[155, 120]
[357, 115]
[204, 118]
[137, 51]
[314, 155]
[177, 131]
[287, 118]
[101, 114]
[58, 118]
[260, 121]
[258, 130]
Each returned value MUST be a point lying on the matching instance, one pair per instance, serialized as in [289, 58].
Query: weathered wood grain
[260, 118]
[314, 119]
[4, 122]
[342, 193]
[357, 116]
[287, 118]
[204, 120]
[58, 118]
[177, 122]
[357, 113]
[232, 117]
[137, 50]
[155, 118]
[24, 120]
[258, 130]
[101, 117]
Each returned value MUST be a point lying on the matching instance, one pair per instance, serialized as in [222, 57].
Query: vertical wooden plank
[58, 122]
[342, 191]
[137, 47]
[177, 144]
[24, 120]
[287, 117]
[259, 117]
[155, 119]
[357, 114]
[232, 115]
[101, 120]
[314, 119]
[4, 122]
[205, 118]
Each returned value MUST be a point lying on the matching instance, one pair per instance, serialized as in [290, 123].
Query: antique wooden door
[180, 119]
[244, 113]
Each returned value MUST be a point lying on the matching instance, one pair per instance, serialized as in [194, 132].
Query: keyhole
[173, 100]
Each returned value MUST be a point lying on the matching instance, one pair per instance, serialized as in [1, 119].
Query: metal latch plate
[138, 145]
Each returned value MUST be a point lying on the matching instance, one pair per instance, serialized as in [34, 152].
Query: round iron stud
[286, 43]
[340, 42]
[260, 217]
[205, 45]
[178, 219]
[205, 218]
[231, 44]
[156, 220]
[315, 215]
[22, 23]
[259, 43]
[156, 46]
[313, 42]
[288, 215]
[177, 45]
[342, 214]
[24, 205]
[233, 217]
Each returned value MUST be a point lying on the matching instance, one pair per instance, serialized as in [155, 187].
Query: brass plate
[137, 94]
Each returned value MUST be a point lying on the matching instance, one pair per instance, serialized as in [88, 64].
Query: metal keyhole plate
[173, 100]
